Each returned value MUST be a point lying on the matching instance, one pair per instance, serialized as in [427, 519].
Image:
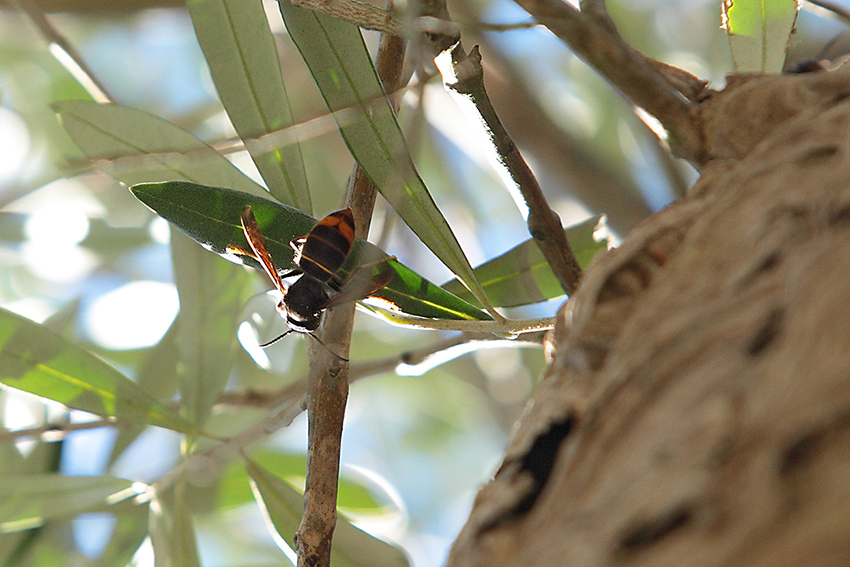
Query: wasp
[318, 257]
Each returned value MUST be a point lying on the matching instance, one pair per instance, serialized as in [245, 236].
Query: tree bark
[696, 408]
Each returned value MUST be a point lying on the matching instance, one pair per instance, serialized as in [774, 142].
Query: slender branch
[603, 48]
[55, 432]
[409, 362]
[487, 26]
[503, 327]
[306, 130]
[358, 13]
[65, 53]
[690, 86]
[216, 456]
[465, 77]
[327, 383]
[543, 223]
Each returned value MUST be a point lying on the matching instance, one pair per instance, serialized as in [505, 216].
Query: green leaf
[36, 360]
[241, 54]
[340, 64]
[212, 294]
[759, 32]
[156, 375]
[234, 489]
[135, 146]
[27, 501]
[284, 505]
[131, 529]
[522, 276]
[211, 217]
[173, 529]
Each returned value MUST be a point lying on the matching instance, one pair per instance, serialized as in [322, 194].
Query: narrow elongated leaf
[758, 32]
[131, 529]
[212, 294]
[284, 505]
[135, 146]
[234, 490]
[173, 529]
[27, 501]
[211, 217]
[340, 64]
[522, 276]
[242, 57]
[41, 362]
[157, 375]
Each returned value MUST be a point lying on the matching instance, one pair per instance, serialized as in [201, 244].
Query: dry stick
[543, 223]
[328, 379]
[603, 48]
[215, 457]
[360, 370]
[565, 158]
[54, 431]
[361, 14]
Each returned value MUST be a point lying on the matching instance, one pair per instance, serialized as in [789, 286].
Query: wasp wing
[258, 245]
[364, 281]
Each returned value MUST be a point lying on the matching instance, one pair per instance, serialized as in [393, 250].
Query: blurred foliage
[82, 256]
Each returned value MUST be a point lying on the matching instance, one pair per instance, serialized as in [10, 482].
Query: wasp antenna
[274, 340]
[338, 357]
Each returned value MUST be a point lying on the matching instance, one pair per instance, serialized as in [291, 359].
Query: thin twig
[327, 383]
[54, 431]
[413, 362]
[465, 76]
[502, 327]
[543, 223]
[65, 53]
[215, 457]
[299, 132]
[358, 13]
[487, 26]
[604, 49]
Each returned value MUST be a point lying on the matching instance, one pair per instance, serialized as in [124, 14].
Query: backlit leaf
[172, 530]
[27, 501]
[36, 360]
[284, 505]
[134, 146]
[212, 294]
[758, 32]
[522, 276]
[241, 53]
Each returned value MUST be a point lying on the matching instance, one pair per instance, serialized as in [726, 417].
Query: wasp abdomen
[327, 246]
